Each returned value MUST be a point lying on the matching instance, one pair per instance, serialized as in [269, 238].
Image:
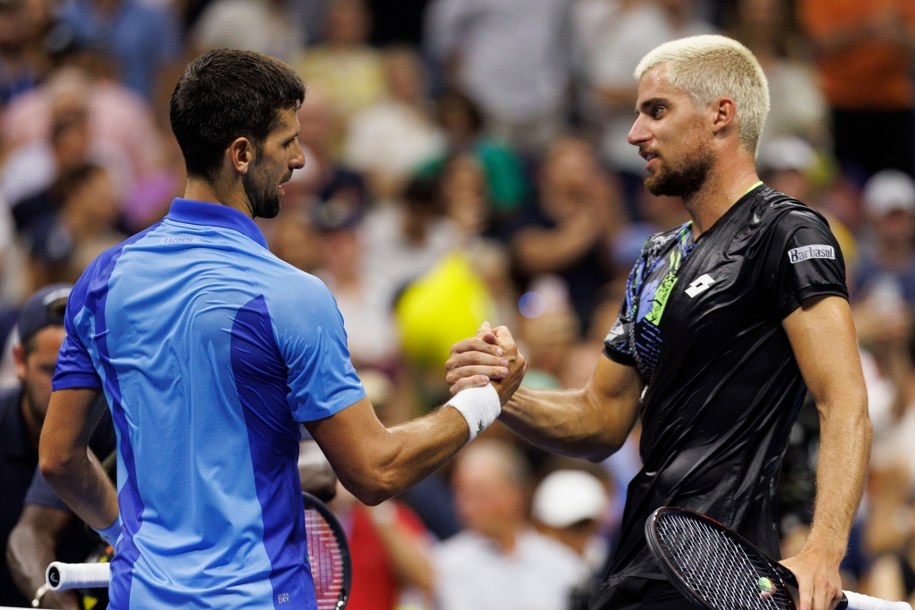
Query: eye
[657, 112]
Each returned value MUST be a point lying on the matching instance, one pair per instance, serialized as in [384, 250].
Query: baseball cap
[44, 308]
[567, 497]
[887, 191]
[784, 153]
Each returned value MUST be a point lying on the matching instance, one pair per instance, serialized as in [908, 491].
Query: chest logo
[699, 285]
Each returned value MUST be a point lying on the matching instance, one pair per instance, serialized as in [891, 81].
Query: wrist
[110, 534]
[479, 406]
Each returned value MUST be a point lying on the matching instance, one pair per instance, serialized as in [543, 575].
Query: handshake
[483, 373]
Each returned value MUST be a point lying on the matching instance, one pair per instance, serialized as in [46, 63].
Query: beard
[263, 195]
[684, 179]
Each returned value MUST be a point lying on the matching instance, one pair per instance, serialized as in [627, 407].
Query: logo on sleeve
[799, 255]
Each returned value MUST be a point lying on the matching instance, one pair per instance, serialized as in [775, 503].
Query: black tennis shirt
[701, 322]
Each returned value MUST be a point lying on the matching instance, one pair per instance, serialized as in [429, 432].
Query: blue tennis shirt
[209, 350]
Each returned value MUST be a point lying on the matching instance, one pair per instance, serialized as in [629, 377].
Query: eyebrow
[654, 101]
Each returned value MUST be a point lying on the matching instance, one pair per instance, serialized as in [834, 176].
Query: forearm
[418, 448]
[568, 422]
[28, 553]
[375, 463]
[845, 442]
[81, 482]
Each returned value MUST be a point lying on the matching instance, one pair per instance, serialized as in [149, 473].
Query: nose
[298, 161]
[637, 133]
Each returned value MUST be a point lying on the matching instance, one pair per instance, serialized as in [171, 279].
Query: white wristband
[479, 406]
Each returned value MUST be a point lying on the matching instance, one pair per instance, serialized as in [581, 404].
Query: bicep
[613, 398]
[822, 336]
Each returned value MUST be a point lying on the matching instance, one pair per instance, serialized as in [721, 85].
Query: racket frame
[333, 523]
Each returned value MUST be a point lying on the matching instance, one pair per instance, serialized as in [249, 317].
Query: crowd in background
[466, 160]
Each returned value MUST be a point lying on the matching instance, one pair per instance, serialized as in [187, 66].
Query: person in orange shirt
[865, 56]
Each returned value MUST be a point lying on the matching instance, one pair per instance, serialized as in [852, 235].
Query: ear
[240, 154]
[725, 110]
[19, 361]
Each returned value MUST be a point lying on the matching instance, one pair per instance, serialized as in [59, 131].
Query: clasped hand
[491, 356]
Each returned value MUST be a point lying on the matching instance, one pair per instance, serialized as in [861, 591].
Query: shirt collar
[215, 214]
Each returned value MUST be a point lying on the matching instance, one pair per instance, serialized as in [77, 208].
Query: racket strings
[708, 561]
[327, 562]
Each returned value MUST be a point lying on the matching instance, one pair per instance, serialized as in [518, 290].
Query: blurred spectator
[40, 332]
[408, 235]
[885, 272]
[390, 551]
[569, 228]
[503, 168]
[798, 107]
[571, 506]
[362, 297]
[342, 64]
[143, 40]
[864, 51]
[499, 561]
[266, 26]
[122, 130]
[24, 55]
[889, 533]
[86, 223]
[389, 139]
[512, 58]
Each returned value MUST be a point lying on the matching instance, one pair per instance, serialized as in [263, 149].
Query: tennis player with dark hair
[210, 350]
[726, 323]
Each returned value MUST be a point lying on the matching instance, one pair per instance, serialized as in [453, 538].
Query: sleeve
[74, 362]
[321, 377]
[804, 260]
[617, 344]
[40, 493]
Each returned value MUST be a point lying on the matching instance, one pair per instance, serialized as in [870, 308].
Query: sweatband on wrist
[479, 406]
[110, 534]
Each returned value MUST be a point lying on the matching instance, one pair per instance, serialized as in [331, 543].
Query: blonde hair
[711, 66]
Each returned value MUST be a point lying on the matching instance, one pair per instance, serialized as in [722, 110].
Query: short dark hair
[229, 93]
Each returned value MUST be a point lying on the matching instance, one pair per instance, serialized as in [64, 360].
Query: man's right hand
[489, 356]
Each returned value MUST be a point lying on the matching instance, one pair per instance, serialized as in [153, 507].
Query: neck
[199, 189]
[727, 182]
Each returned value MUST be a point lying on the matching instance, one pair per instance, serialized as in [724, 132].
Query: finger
[486, 334]
[458, 374]
[475, 381]
[477, 344]
[506, 341]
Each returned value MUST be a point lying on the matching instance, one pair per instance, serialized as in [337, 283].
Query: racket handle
[857, 601]
[61, 576]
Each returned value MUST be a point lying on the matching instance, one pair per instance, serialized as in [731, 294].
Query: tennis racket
[328, 556]
[716, 568]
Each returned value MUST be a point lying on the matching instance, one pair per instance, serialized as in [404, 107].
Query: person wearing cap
[22, 412]
[887, 261]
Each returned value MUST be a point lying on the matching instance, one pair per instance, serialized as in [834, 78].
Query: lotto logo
[699, 285]
[799, 255]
